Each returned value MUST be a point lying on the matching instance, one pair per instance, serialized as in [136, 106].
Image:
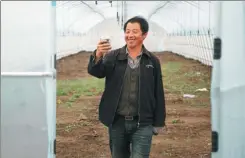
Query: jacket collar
[124, 55]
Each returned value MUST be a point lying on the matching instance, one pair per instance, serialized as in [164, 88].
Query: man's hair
[144, 26]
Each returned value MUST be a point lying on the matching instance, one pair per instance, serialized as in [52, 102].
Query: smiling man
[132, 105]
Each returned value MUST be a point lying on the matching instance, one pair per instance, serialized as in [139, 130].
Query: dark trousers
[123, 132]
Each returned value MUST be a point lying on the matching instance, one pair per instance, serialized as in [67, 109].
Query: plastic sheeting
[228, 81]
[182, 27]
[25, 39]
[173, 16]
[197, 47]
[28, 86]
[24, 129]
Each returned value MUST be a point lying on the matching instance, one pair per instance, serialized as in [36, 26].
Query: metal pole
[198, 36]
[189, 33]
[232, 80]
[207, 37]
[205, 46]
[210, 41]
[201, 45]
[215, 86]
[27, 74]
[51, 85]
[122, 16]
[207, 55]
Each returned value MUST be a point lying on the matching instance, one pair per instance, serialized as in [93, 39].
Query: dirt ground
[81, 135]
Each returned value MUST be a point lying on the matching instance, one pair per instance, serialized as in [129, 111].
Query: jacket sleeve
[160, 110]
[102, 67]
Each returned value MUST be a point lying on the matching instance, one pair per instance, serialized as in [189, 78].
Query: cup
[106, 39]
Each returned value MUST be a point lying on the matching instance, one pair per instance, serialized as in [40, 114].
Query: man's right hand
[103, 47]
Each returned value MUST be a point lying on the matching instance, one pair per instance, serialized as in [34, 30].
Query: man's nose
[130, 35]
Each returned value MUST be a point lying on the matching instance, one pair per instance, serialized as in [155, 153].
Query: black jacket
[151, 94]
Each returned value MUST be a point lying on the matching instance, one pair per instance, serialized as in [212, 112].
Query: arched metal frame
[120, 10]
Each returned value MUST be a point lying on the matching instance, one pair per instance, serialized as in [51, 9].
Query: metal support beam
[157, 8]
[27, 74]
[94, 10]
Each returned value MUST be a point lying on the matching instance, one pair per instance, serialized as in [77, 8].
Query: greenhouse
[50, 103]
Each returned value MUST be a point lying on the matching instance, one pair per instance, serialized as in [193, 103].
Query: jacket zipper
[119, 95]
[138, 125]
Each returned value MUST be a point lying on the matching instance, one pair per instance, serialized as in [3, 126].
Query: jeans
[123, 133]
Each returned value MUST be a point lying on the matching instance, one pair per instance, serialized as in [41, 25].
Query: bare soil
[81, 135]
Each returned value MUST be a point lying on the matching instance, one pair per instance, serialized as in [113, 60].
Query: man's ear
[144, 35]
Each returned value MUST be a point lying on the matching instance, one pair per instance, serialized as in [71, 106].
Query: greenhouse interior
[50, 103]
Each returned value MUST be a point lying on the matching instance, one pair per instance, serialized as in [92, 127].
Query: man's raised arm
[97, 66]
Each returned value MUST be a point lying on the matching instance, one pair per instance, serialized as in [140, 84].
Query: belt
[129, 118]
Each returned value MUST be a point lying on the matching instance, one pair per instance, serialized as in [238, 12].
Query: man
[133, 103]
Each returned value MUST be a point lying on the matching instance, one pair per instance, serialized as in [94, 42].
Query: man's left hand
[157, 130]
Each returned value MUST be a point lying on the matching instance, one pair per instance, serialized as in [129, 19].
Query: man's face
[133, 35]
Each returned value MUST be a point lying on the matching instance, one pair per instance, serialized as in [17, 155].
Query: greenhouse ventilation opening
[35, 33]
